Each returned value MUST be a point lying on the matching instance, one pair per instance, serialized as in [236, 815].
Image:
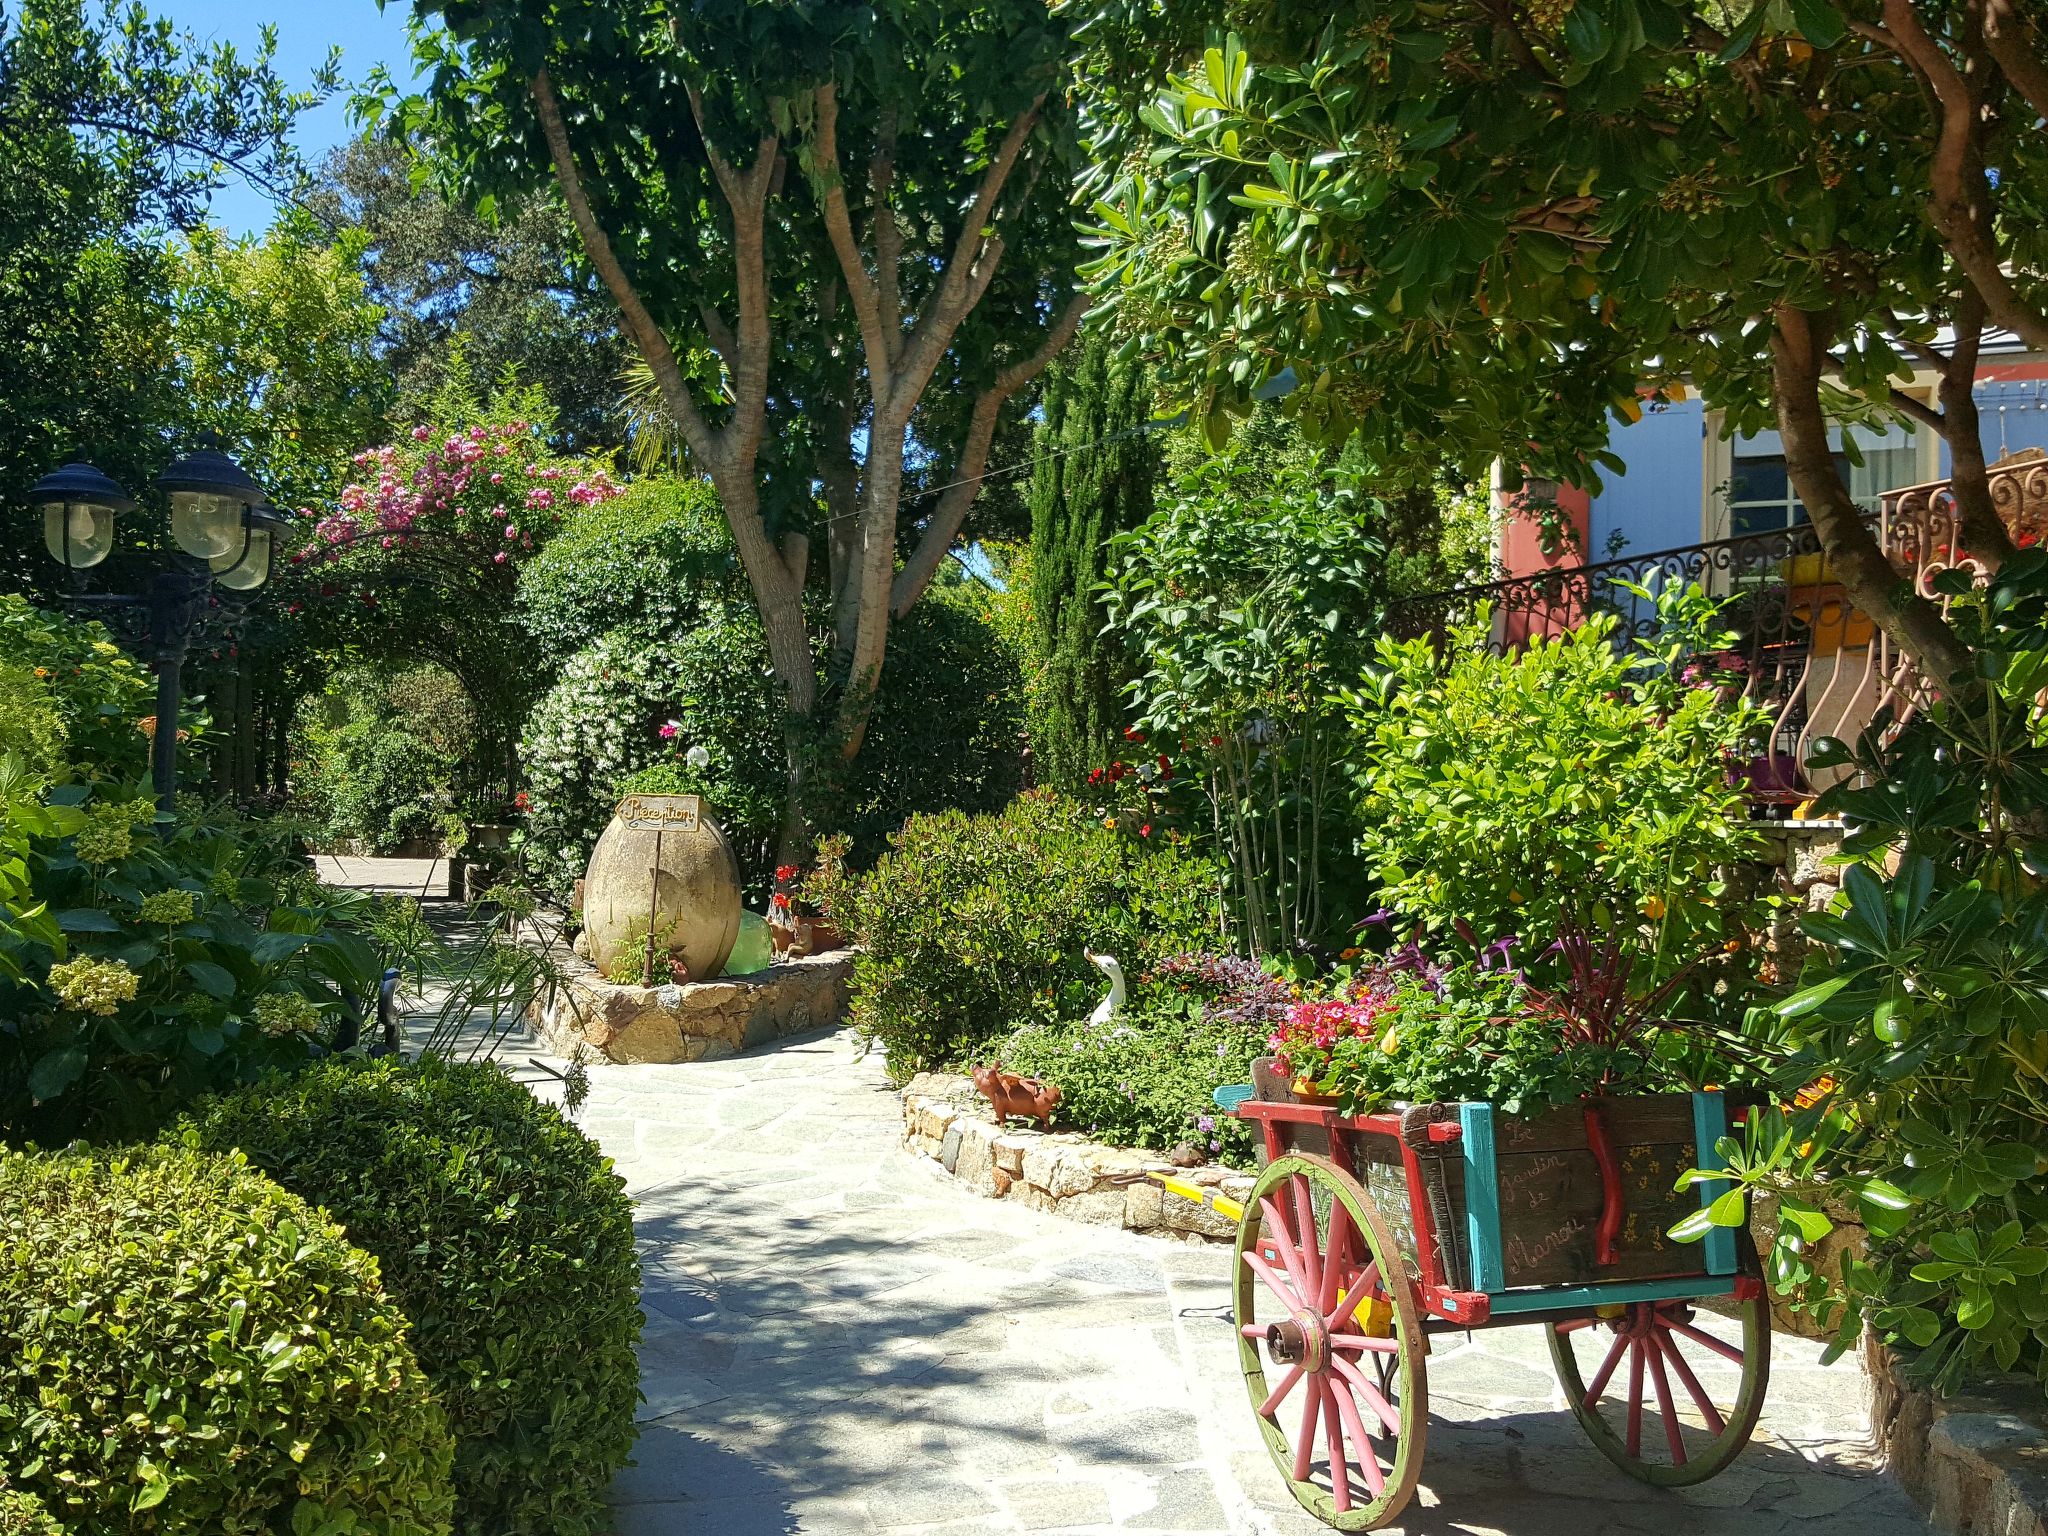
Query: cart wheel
[1345, 1407]
[1706, 1390]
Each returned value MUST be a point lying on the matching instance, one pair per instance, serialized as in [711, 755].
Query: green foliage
[948, 731]
[188, 1350]
[1455, 226]
[1145, 1079]
[274, 351]
[972, 925]
[1094, 478]
[142, 956]
[651, 562]
[507, 1239]
[597, 731]
[97, 692]
[1245, 600]
[502, 286]
[1921, 1023]
[1576, 793]
[23, 1514]
[946, 737]
[119, 127]
[379, 754]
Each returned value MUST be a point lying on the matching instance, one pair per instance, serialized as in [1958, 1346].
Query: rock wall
[1976, 1462]
[697, 1020]
[945, 1120]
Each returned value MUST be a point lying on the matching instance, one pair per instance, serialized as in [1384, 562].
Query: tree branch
[640, 324]
[1957, 183]
[1799, 357]
[958, 498]
[860, 287]
[1981, 530]
[887, 233]
[717, 332]
[2009, 37]
[1919, 410]
[950, 302]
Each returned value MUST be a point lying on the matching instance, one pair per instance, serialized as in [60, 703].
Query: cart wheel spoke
[1336, 1253]
[1365, 1288]
[1305, 1442]
[1279, 1236]
[1280, 1285]
[1374, 1398]
[1288, 1383]
[1663, 1340]
[1305, 1227]
[1635, 1397]
[1340, 1475]
[1693, 1389]
[1674, 1437]
[1600, 1377]
[1354, 1429]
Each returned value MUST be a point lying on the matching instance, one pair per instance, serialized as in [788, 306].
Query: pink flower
[419, 435]
[498, 558]
[669, 730]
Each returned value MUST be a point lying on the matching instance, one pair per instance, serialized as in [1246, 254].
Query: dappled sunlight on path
[840, 1340]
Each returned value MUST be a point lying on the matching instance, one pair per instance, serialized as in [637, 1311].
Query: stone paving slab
[843, 1341]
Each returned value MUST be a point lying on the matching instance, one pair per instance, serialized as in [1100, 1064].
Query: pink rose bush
[486, 494]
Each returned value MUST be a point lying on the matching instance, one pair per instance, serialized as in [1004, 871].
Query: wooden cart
[1365, 1235]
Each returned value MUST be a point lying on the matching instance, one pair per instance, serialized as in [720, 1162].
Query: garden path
[842, 1341]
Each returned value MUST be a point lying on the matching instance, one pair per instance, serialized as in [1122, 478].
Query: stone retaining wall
[945, 1120]
[1976, 1462]
[698, 1020]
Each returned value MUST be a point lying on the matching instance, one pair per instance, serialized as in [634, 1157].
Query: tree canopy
[1512, 223]
[839, 239]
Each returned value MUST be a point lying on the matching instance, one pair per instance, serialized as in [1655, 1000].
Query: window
[1760, 494]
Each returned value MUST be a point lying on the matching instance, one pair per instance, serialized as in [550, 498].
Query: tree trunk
[1799, 355]
[1983, 532]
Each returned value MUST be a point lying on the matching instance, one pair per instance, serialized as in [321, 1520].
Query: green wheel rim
[1356, 1375]
[1664, 1402]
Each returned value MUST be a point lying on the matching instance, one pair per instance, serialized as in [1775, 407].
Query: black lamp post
[223, 531]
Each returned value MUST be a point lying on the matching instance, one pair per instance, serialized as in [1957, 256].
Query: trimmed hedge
[22, 1514]
[186, 1348]
[507, 1238]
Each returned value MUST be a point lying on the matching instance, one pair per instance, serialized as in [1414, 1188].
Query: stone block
[1097, 1207]
[1181, 1214]
[1010, 1150]
[698, 1020]
[974, 1161]
[1142, 1206]
[949, 1149]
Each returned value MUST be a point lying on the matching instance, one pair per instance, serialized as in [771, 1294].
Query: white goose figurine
[1107, 1008]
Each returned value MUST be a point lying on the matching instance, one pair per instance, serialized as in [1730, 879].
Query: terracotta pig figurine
[1008, 1094]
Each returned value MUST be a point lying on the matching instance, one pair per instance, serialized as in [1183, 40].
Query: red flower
[1094, 775]
[1133, 734]
[1164, 765]
[522, 801]
[787, 871]
[1145, 830]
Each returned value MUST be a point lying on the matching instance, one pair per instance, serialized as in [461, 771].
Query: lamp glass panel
[251, 569]
[206, 526]
[91, 529]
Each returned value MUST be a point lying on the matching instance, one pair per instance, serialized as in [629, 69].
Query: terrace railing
[1803, 651]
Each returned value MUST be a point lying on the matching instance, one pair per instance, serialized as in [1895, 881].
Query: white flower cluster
[587, 733]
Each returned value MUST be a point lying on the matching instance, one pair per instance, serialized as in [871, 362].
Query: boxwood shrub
[23, 1514]
[972, 925]
[507, 1238]
[186, 1348]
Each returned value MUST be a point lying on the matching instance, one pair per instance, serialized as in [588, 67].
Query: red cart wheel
[1332, 1352]
[1662, 1359]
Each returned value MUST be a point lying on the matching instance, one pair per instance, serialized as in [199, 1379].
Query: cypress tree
[1095, 478]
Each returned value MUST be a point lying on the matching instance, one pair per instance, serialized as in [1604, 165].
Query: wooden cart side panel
[1550, 1207]
[1636, 1120]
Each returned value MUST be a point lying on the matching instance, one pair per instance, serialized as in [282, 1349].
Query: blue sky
[306, 29]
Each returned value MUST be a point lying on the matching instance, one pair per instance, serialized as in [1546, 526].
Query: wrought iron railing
[1816, 664]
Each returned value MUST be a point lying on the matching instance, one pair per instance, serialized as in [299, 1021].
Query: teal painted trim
[1482, 1198]
[1230, 1095]
[1610, 1292]
[1709, 1125]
